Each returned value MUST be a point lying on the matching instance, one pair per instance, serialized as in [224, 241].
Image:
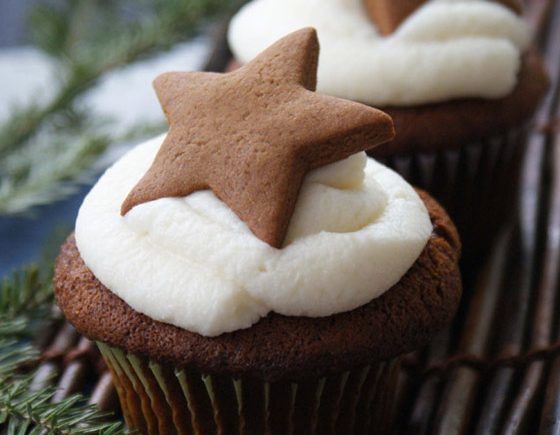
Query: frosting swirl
[446, 49]
[356, 230]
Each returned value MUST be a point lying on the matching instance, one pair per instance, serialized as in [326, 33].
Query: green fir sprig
[24, 298]
[25, 304]
[24, 411]
[46, 169]
[45, 148]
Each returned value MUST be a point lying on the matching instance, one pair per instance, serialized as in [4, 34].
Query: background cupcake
[210, 322]
[458, 78]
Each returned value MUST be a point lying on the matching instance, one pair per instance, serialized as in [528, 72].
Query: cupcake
[458, 77]
[225, 269]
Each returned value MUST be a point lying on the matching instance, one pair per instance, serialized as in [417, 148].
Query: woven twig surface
[497, 369]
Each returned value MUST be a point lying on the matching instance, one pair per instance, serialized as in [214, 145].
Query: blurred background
[75, 93]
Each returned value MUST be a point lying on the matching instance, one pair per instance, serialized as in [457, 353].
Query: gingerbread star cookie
[251, 135]
[389, 14]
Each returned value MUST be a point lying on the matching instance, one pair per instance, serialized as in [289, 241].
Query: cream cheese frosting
[356, 230]
[446, 49]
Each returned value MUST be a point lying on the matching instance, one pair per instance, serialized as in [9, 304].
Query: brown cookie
[251, 135]
[280, 347]
[389, 14]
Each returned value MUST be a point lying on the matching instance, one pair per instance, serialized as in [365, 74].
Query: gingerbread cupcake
[458, 77]
[225, 269]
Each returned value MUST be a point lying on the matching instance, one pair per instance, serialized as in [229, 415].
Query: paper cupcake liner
[476, 183]
[158, 399]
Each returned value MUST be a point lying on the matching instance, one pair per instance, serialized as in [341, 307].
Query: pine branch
[26, 122]
[52, 168]
[25, 302]
[40, 162]
[44, 171]
[86, 61]
[22, 296]
[14, 355]
[30, 412]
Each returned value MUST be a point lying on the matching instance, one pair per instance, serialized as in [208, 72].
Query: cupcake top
[443, 50]
[190, 261]
[196, 255]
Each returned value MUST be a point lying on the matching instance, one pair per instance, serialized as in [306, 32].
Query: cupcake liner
[476, 183]
[158, 399]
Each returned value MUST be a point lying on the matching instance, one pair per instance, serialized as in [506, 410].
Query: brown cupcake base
[156, 398]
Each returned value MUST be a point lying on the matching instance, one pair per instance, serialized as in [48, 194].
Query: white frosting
[357, 228]
[446, 49]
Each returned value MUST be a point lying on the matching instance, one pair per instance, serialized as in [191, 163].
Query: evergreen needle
[25, 304]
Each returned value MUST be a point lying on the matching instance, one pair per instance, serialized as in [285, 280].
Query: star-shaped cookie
[389, 14]
[251, 135]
